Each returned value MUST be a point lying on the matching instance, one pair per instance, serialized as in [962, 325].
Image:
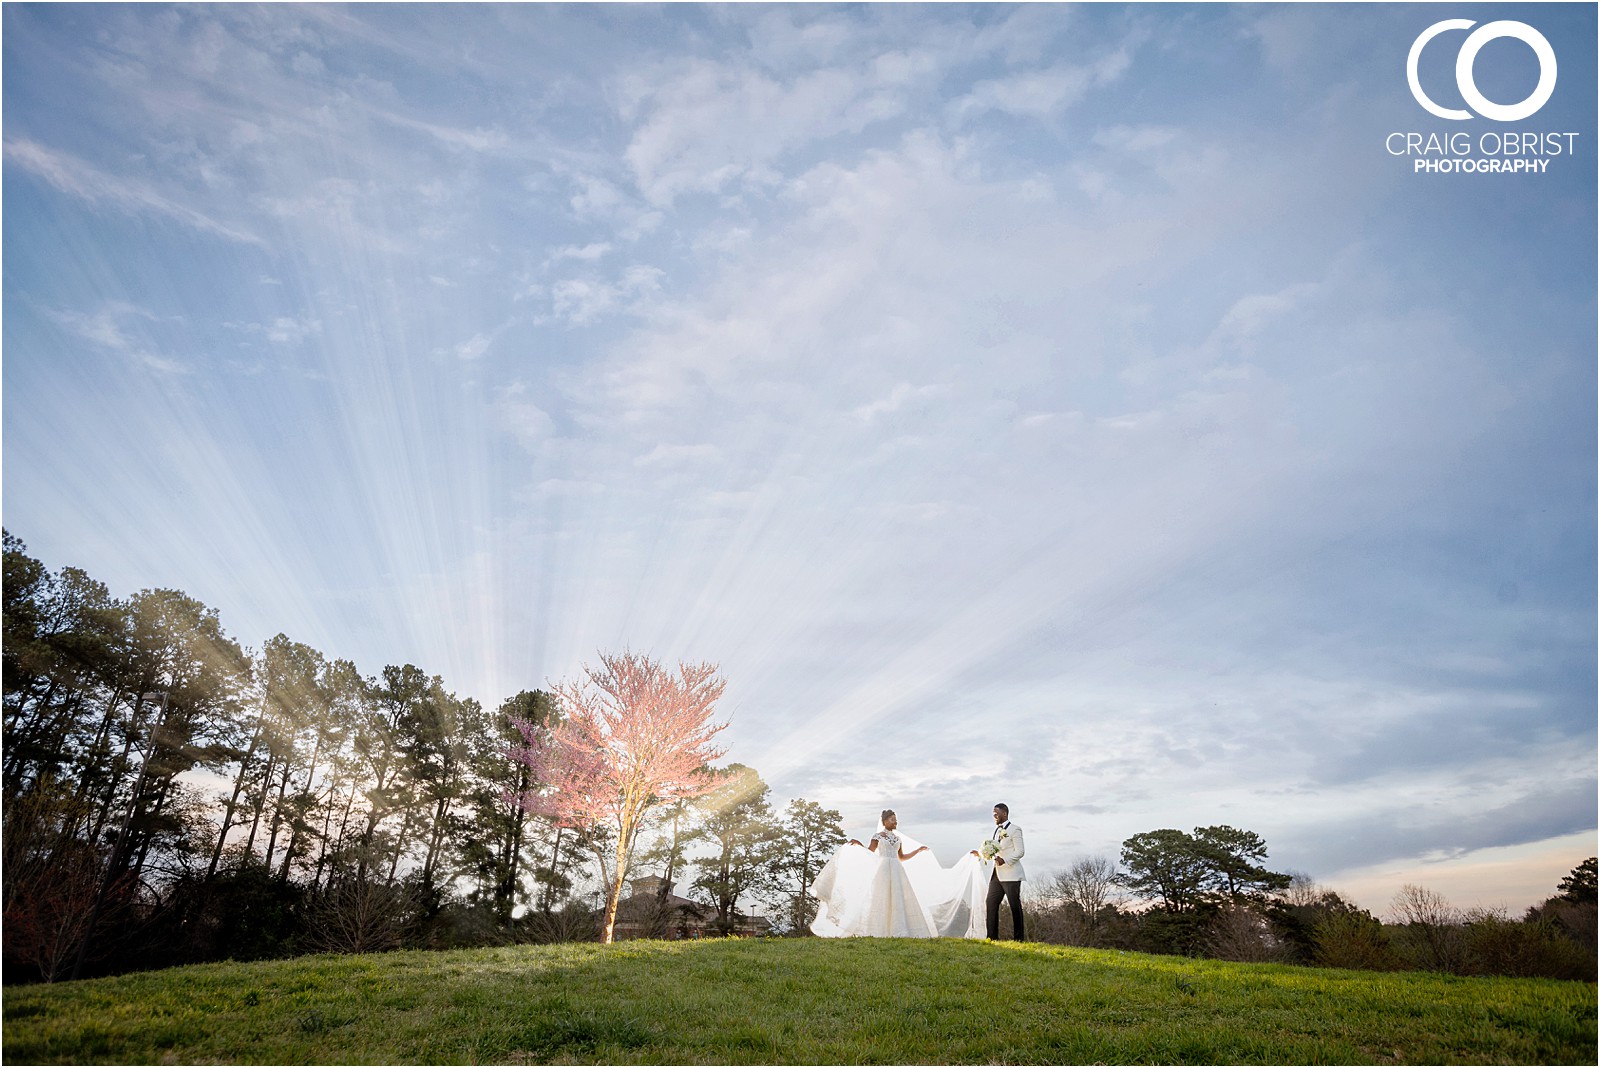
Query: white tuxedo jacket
[1011, 850]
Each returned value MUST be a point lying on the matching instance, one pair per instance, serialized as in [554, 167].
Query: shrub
[1352, 939]
[456, 925]
[572, 922]
[1430, 935]
[244, 914]
[356, 916]
[49, 880]
[1536, 948]
[1573, 920]
[1060, 925]
[1296, 913]
[48, 911]
[1241, 933]
[1181, 933]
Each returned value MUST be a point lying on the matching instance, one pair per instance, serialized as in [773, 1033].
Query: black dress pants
[1011, 890]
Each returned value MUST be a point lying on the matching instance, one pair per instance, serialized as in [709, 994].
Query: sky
[1081, 407]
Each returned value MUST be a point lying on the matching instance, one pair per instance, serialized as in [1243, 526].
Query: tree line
[172, 796]
[1208, 893]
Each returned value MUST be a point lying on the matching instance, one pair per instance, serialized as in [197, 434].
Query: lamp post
[122, 832]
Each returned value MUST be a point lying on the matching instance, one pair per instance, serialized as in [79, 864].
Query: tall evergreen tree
[807, 836]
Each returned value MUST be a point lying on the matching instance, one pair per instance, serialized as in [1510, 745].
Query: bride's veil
[953, 896]
[842, 890]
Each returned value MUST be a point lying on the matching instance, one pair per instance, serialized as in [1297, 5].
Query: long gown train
[876, 894]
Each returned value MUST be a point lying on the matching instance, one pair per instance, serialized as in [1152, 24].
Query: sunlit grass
[804, 1001]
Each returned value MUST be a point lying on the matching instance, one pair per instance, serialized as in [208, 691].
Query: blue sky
[1074, 406]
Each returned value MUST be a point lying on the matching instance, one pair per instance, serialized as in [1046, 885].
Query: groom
[1006, 879]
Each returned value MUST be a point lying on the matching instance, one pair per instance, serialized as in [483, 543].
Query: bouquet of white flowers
[989, 848]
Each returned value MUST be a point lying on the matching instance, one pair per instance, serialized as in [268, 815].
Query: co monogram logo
[1469, 53]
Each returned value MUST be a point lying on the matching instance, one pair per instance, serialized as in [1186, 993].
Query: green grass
[808, 1001]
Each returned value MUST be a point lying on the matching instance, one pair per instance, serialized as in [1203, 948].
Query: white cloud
[1041, 93]
[1252, 313]
[287, 330]
[677, 455]
[595, 196]
[106, 328]
[79, 179]
[585, 253]
[474, 347]
[580, 301]
[307, 65]
[525, 420]
[1141, 138]
[716, 124]
[565, 487]
[1502, 877]
[1287, 36]
[479, 141]
[897, 399]
[598, 199]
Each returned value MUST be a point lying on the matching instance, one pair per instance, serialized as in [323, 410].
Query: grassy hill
[799, 1001]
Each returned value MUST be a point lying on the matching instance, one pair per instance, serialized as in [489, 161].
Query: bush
[1573, 920]
[1534, 948]
[244, 914]
[49, 880]
[1352, 940]
[1067, 925]
[355, 916]
[1061, 925]
[572, 922]
[47, 912]
[1296, 914]
[1241, 933]
[456, 925]
[1182, 933]
[1430, 935]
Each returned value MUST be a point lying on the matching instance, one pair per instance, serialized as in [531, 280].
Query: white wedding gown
[865, 893]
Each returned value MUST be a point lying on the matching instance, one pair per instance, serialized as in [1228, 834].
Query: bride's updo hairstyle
[883, 817]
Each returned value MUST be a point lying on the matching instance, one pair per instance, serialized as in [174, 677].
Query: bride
[893, 888]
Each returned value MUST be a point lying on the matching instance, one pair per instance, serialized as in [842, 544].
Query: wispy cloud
[79, 179]
[478, 141]
[1041, 93]
[902, 394]
[717, 125]
[474, 347]
[107, 329]
[579, 301]
[583, 253]
[674, 455]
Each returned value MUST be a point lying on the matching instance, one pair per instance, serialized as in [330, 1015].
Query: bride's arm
[914, 852]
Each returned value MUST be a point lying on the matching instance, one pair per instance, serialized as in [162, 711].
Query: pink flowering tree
[630, 736]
